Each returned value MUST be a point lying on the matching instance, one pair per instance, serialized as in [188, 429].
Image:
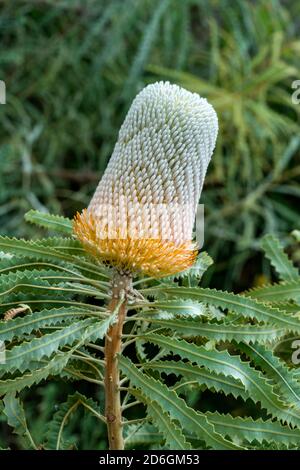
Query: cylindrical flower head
[141, 216]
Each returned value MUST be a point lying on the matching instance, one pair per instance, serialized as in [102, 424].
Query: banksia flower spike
[141, 216]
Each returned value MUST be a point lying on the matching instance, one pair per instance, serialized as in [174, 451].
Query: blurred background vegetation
[71, 70]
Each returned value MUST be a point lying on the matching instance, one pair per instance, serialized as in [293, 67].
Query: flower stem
[113, 344]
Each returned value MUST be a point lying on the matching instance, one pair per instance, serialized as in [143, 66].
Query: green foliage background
[71, 69]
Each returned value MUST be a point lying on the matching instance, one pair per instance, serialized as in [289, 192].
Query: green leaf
[257, 385]
[145, 434]
[14, 411]
[246, 429]
[201, 376]
[40, 251]
[174, 308]
[19, 357]
[282, 377]
[279, 259]
[70, 246]
[45, 282]
[32, 322]
[244, 306]
[191, 420]
[49, 273]
[41, 287]
[21, 263]
[60, 420]
[277, 292]
[171, 432]
[221, 331]
[43, 301]
[221, 362]
[62, 417]
[53, 367]
[56, 223]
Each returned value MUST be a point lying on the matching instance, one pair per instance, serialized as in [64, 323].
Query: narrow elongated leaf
[19, 357]
[244, 306]
[55, 223]
[70, 246]
[193, 421]
[277, 292]
[50, 275]
[255, 383]
[221, 331]
[22, 263]
[62, 417]
[53, 367]
[172, 433]
[44, 282]
[32, 322]
[282, 377]
[40, 251]
[39, 277]
[279, 259]
[247, 429]
[40, 288]
[175, 308]
[42, 301]
[201, 376]
[137, 434]
[14, 411]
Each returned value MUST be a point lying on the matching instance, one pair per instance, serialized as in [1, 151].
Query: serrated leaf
[32, 322]
[242, 305]
[279, 259]
[50, 275]
[44, 282]
[277, 292]
[246, 429]
[259, 386]
[282, 377]
[56, 223]
[22, 263]
[191, 420]
[70, 246]
[53, 367]
[62, 417]
[43, 301]
[221, 331]
[19, 357]
[171, 432]
[201, 376]
[174, 308]
[14, 411]
[145, 434]
[40, 251]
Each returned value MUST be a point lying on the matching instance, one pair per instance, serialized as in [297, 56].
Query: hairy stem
[113, 344]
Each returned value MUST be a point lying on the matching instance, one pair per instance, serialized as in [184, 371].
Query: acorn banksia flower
[141, 216]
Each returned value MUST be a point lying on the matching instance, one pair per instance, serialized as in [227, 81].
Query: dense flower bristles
[154, 257]
[160, 160]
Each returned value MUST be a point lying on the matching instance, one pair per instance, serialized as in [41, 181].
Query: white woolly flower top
[154, 178]
[141, 216]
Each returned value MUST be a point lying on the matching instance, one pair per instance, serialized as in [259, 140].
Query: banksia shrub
[94, 306]
[142, 214]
